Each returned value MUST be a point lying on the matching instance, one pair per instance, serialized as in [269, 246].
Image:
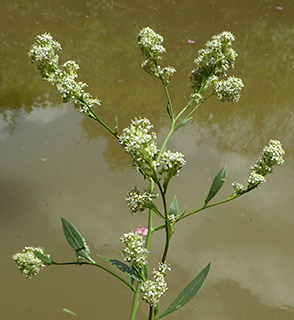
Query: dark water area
[55, 161]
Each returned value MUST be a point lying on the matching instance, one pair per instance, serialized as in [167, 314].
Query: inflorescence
[153, 289]
[28, 263]
[138, 202]
[44, 54]
[272, 155]
[142, 147]
[134, 251]
[151, 46]
[213, 62]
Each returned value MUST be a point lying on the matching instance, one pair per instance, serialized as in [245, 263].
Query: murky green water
[54, 161]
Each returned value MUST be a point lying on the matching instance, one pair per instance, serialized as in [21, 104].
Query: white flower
[255, 179]
[141, 145]
[134, 252]
[216, 59]
[153, 289]
[150, 43]
[238, 187]
[137, 201]
[272, 155]
[44, 54]
[171, 163]
[28, 263]
[229, 89]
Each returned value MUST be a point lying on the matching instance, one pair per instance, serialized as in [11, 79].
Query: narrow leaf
[182, 123]
[72, 235]
[188, 293]
[216, 185]
[69, 312]
[169, 111]
[122, 267]
[174, 207]
[43, 257]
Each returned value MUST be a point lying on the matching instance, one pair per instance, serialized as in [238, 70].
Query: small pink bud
[142, 231]
[190, 41]
[279, 8]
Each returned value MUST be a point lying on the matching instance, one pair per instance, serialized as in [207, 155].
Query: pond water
[55, 161]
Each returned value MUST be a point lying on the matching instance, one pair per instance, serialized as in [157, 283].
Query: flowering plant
[157, 164]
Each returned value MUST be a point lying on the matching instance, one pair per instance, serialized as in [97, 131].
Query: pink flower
[190, 41]
[279, 8]
[142, 231]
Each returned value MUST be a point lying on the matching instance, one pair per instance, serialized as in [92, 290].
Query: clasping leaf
[43, 257]
[174, 207]
[216, 185]
[122, 267]
[75, 239]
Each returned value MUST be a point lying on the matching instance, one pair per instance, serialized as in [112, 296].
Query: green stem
[209, 206]
[135, 302]
[184, 109]
[99, 266]
[150, 313]
[93, 115]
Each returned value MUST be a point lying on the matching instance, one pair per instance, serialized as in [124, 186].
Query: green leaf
[174, 207]
[169, 111]
[72, 235]
[188, 293]
[43, 257]
[182, 123]
[69, 312]
[216, 185]
[122, 267]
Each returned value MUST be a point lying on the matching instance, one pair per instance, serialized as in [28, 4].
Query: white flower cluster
[134, 252]
[140, 145]
[44, 54]
[28, 263]
[171, 163]
[138, 202]
[216, 59]
[166, 74]
[272, 155]
[151, 46]
[153, 289]
[238, 187]
[229, 89]
[150, 43]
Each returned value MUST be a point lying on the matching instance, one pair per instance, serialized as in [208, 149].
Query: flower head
[229, 89]
[153, 289]
[141, 145]
[134, 252]
[138, 202]
[216, 59]
[44, 54]
[170, 164]
[28, 263]
[272, 155]
[150, 43]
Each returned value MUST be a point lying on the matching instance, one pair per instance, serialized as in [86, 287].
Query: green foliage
[122, 267]
[188, 293]
[216, 185]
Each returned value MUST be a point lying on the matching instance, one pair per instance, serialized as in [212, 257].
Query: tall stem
[135, 302]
